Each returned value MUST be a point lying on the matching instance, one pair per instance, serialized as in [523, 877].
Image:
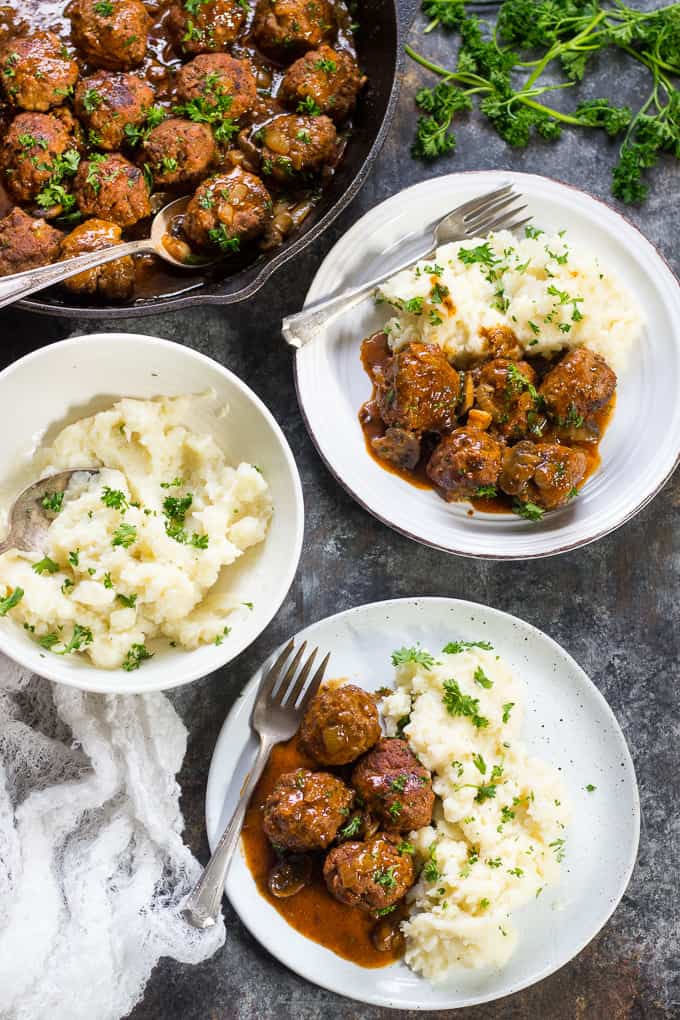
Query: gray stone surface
[613, 605]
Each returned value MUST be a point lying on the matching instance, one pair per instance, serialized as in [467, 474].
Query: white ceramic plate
[567, 723]
[641, 446]
[63, 382]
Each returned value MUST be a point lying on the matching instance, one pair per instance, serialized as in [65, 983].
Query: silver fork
[277, 713]
[495, 210]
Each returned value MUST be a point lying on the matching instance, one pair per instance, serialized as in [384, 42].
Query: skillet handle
[19, 285]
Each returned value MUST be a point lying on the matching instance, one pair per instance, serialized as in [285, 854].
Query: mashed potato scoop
[35, 508]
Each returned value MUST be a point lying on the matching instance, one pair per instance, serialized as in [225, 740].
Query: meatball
[26, 243]
[546, 474]
[395, 787]
[284, 29]
[418, 390]
[579, 386]
[506, 390]
[218, 80]
[113, 280]
[30, 155]
[398, 447]
[340, 724]
[305, 810]
[464, 462]
[372, 876]
[110, 188]
[179, 152]
[501, 342]
[36, 71]
[110, 104]
[327, 78]
[226, 210]
[112, 33]
[293, 145]
[205, 27]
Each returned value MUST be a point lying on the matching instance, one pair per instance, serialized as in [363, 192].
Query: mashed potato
[498, 830]
[551, 295]
[135, 551]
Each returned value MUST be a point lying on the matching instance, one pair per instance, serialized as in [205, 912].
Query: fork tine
[519, 223]
[472, 218]
[498, 222]
[279, 693]
[314, 684]
[477, 204]
[270, 678]
[294, 692]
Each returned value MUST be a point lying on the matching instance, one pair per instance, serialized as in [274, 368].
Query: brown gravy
[375, 351]
[313, 912]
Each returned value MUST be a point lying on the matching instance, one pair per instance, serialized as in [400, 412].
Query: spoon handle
[19, 285]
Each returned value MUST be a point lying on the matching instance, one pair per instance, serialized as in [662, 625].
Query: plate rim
[247, 693]
[557, 550]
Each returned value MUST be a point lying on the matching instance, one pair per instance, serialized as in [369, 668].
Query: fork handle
[304, 326]
[202, 907]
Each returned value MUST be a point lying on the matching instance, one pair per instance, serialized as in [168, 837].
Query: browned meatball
[506, 390]
[110, 188]
[326, 80]
[546, 474]
[395, 787]
[418, 390]
[284, 29]
[340, 724]
[114, 280]
[579, 386]
[372, 876]
[501, 342]
[36, 71]
[292, 146]
[179, 152]
[212, 77]
[398, 447]
[305, 810]
[464, 462]
[226, 210]
[31, 154]
[205, 26]
[110, 33]
[26, 243]
[110, 104]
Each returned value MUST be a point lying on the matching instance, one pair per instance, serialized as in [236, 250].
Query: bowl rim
[519, 178]
[102, 685]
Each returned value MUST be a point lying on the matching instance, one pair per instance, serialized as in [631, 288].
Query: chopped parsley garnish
[80, 637]
[67, 586]
[53, 501]
[104, 8]
[127, 600]
[395, 809]
[135, 657]
[11, 600]
[226, 242]
[454, 647]
[124, 535]
[176, 483]
[351, 829]
[385, 877]
[405, 847]
[479, 763]
[558, 846]
[507, 814]
[114, 498]
[384, 911]
[590, 788]
[309, 106]
[493, 862]
[91, 100]
[404, 655]
[46, 566]
[108, 583]
[486, 492]
[519, 382]
[458, 703]
[438, 293]
[507, 709]
[431, 870]
[482, 254]
[528, 510]
[220, 637]
[326, 65]
[74, 557]
[485, 792]
[517, 872]
[414, 306]
[399, 783]
[48, 641]
[482, 679]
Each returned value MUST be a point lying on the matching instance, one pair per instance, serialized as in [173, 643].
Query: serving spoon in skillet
[19, 285]
[495, 210]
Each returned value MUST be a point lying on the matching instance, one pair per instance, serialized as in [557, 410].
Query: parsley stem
[558, 47]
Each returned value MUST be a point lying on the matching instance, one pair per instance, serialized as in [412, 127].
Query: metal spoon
[19, 285]
[29, 518]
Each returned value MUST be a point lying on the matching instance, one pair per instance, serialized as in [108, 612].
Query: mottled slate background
[612, 605]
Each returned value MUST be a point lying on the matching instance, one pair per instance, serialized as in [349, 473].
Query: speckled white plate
[641, 446]
[567, 723]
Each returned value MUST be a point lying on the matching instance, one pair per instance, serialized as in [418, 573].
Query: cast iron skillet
[383, 25]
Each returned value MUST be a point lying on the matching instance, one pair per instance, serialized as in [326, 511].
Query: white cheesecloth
[92, 863]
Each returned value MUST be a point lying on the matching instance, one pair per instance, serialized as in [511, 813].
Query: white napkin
[92, 864]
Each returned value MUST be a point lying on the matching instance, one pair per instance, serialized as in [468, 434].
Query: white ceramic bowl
[567, 723]
[641, 446]
[63, 382]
